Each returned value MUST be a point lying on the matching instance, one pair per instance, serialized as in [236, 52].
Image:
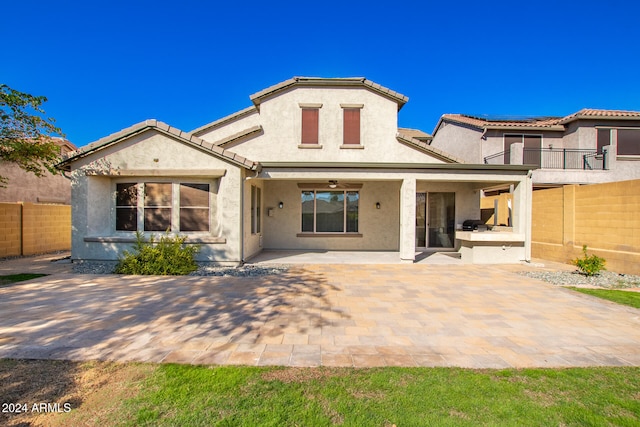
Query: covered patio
[389, 212]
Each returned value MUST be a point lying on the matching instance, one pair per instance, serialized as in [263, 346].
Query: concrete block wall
[45, 228]
[10, 229]
[548, 216]
[29, 228]
[602, 216]
[487, 205]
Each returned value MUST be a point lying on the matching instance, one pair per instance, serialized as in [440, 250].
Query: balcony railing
[553, 158]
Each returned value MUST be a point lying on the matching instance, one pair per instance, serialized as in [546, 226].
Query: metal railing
[554, 158]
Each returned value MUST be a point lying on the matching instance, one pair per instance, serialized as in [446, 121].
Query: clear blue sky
[105, 65]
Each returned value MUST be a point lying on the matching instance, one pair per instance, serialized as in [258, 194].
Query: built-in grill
[474, 225]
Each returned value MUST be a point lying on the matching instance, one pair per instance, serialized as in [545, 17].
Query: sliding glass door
[435, 220]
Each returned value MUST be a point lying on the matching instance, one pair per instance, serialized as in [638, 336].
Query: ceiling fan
[335, 184]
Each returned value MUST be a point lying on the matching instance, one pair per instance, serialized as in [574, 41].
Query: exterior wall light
[281, 205]
[378, 205]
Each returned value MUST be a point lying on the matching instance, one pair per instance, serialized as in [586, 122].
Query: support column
[522, 203]
[408, 220]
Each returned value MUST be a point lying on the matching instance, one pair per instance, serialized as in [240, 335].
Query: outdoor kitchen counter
[489, 236]
[491, 247]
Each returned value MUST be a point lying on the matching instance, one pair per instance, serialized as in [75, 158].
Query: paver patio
[332, 315]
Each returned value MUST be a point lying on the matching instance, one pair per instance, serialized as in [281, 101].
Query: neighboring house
[313, 164]
[23, 186]
[590, 146]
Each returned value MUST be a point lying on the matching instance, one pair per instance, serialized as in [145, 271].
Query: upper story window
[172, 206]
[351, 124]
[627, 141]
[310, 124]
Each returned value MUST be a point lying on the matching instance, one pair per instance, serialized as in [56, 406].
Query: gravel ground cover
[606, 279]
[248, 270]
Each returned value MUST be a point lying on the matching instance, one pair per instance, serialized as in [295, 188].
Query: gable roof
[164, 128]
[535, 123]
[225, 120]
[426, 148]
[415, 133]
[590, 113]
[258, 97]
[482, 123]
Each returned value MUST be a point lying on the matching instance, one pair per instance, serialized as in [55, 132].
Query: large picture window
[172, 206]
[330, 211]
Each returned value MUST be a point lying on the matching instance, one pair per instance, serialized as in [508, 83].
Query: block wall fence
[605, 217]
[30, 228]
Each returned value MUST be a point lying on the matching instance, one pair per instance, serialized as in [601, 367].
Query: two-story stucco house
[590, 146]
[312, 164]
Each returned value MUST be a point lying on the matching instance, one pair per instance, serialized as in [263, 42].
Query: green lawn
[229, 396]
[104, 394]
[621, 297]
[13, 278]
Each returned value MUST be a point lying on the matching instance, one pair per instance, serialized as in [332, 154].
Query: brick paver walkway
[332, 315]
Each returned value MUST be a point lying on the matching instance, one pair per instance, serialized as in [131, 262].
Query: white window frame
[175, 204]
[344, 224]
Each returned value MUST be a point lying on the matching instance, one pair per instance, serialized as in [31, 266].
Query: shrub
[168, 256]
[589, 265]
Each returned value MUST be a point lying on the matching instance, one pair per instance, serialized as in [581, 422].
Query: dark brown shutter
[310, 125]
[351, 126]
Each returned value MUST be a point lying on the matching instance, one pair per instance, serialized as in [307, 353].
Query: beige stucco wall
[379, 227]
[94, 200]
[459, 141]
[231, 127]
[602, 216]
[281, 120]
[27, 187]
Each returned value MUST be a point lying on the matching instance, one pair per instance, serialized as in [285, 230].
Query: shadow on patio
[147, 317]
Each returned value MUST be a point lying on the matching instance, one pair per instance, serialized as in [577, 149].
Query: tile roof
[552, 123]
[590, 113]
[423, 146]
[536, 123]
[260, 96]
[225, 120]
[414, 133]
[163, 128]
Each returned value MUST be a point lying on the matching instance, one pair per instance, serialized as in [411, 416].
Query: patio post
[408, 220]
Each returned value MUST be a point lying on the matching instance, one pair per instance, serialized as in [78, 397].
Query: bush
[589, 265]
[168, 256]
